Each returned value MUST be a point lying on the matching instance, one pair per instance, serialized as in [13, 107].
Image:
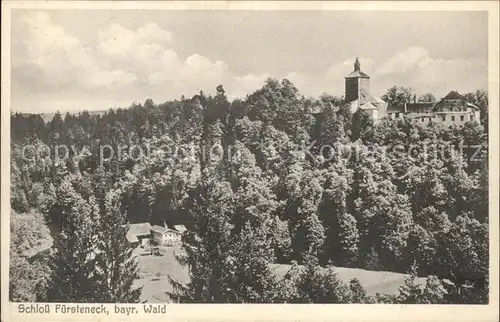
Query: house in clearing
[139, 234]
[165, 236]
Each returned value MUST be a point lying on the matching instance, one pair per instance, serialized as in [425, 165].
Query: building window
[453, 118]
[461, 118]
[472, 117]
[443, 117]
[397, 115]
[423, 119]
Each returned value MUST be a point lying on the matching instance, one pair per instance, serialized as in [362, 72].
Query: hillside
[373, 281]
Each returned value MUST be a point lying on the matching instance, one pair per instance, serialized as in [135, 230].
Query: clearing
[153, 271]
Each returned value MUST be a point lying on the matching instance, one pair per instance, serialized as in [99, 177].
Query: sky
[72, 60]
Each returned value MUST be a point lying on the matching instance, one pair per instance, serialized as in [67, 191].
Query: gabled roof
[453, 95]
[369, 99]
[395, 108]
[368, 106]
[162, 230]
[377, 99]
[472, 105]
[139, 229]
[135, 230]
[369, 103]
[357, 74]
[180, 228]
[420, 107]
[162, 297]
[159, 229]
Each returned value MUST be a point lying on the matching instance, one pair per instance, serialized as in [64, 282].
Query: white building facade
[451, 110]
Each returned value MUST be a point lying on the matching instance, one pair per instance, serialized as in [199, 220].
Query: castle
[451, 110]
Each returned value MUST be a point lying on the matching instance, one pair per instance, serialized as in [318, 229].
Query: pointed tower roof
[357, 73]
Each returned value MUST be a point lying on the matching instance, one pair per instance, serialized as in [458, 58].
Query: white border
[267, 312]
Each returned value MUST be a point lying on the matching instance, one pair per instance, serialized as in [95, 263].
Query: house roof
[368, 106]
[472, 105]
[376, 102]
[377, 99]
[139, 229]
[394, 108]
[159, 229]
[135, 230]
[420, 107]
[162, 230]
[161, 297]
[416, 107]
[43, 247]
[357, 74]
[180, 228]
[453, 95]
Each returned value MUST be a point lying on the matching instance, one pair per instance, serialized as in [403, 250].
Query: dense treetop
[262, 180]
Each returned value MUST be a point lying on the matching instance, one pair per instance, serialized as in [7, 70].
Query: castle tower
[357, 85]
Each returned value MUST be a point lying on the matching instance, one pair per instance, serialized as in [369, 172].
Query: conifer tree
[207, 244]
[312, 283]
[73, 274]
[117, 267]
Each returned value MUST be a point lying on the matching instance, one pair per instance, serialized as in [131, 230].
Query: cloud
[240, 86]
[187, 76]
[403, 62]
[133, 64]
[147, 52]
[110, 78]
[116, 40]
[46, 37]
[122, 58]
[63, 61]
[203, 71]
[343, 68]
[415, 67]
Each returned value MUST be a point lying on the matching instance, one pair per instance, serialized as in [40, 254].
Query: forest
[256, 181]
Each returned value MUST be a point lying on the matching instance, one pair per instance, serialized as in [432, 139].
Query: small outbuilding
[180, 228]
[139, 234]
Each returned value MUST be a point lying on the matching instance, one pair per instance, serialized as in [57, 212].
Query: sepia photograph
[163, 157]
